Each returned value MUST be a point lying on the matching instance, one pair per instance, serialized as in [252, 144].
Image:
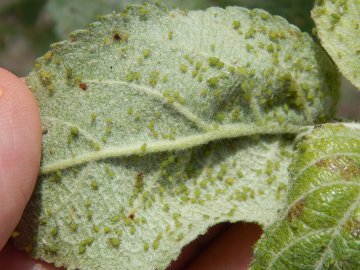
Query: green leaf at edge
[338, 26]
[321, 224]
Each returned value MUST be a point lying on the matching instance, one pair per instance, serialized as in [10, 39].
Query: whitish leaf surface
[338, 26]
[69, 15]
[321, 225]
[160, 124]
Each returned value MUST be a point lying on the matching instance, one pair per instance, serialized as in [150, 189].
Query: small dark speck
[116, 37]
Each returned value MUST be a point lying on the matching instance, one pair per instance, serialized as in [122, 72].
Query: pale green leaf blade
[138, 205]
[155, 128]
[338, 26]
[321, 225]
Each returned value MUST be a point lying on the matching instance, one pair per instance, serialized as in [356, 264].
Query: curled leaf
[321, 224]
[338, 26]
[158, 124]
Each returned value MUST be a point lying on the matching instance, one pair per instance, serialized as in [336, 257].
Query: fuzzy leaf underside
[155, 221]
[321, 224]
[338, 26]
[158, 124]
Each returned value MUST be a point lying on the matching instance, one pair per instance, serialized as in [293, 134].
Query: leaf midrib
[188, 142]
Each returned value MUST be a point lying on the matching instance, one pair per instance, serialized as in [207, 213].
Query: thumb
[20, 149]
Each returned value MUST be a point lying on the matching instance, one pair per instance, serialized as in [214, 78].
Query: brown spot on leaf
[350, 170]
[353, 226]
[295, 211]
[117, 36]
[347, 167]
[83, 86]
[132, 215]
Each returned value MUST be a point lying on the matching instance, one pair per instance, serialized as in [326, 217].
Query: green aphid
[115, 242]
[94, 185]
[143, 148]
[46, 77]
[198, 65]
[53, 248]
[69, 73]
[180, 237]
[95, 146]
[215, 62]
[54, 231]
[154, 78]
[93, 117]
[109, 171]
[73, 226]
[146, 53]
[236, 25]
[143, 11]
[96, 228]
[81, 249]
[249, 47]
[43, 220]
[250, 33]
[57, 176]
[48, 56]
[183, 68]
[87, 242]
[157, 241]
[74, 131]
[213, 82]
[115, 218]
[170, 35]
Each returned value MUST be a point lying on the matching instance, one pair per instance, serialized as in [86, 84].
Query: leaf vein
[341, 223]
[178, 107]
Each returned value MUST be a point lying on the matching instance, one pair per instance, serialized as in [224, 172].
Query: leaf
[321, 224]
[159, 124]
[81, 12]
[338, 27]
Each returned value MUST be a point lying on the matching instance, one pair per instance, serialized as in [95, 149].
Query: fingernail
[1, 92]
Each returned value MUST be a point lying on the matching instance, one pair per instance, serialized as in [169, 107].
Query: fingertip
[14, 259]
[20, 150]
[231, 250]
